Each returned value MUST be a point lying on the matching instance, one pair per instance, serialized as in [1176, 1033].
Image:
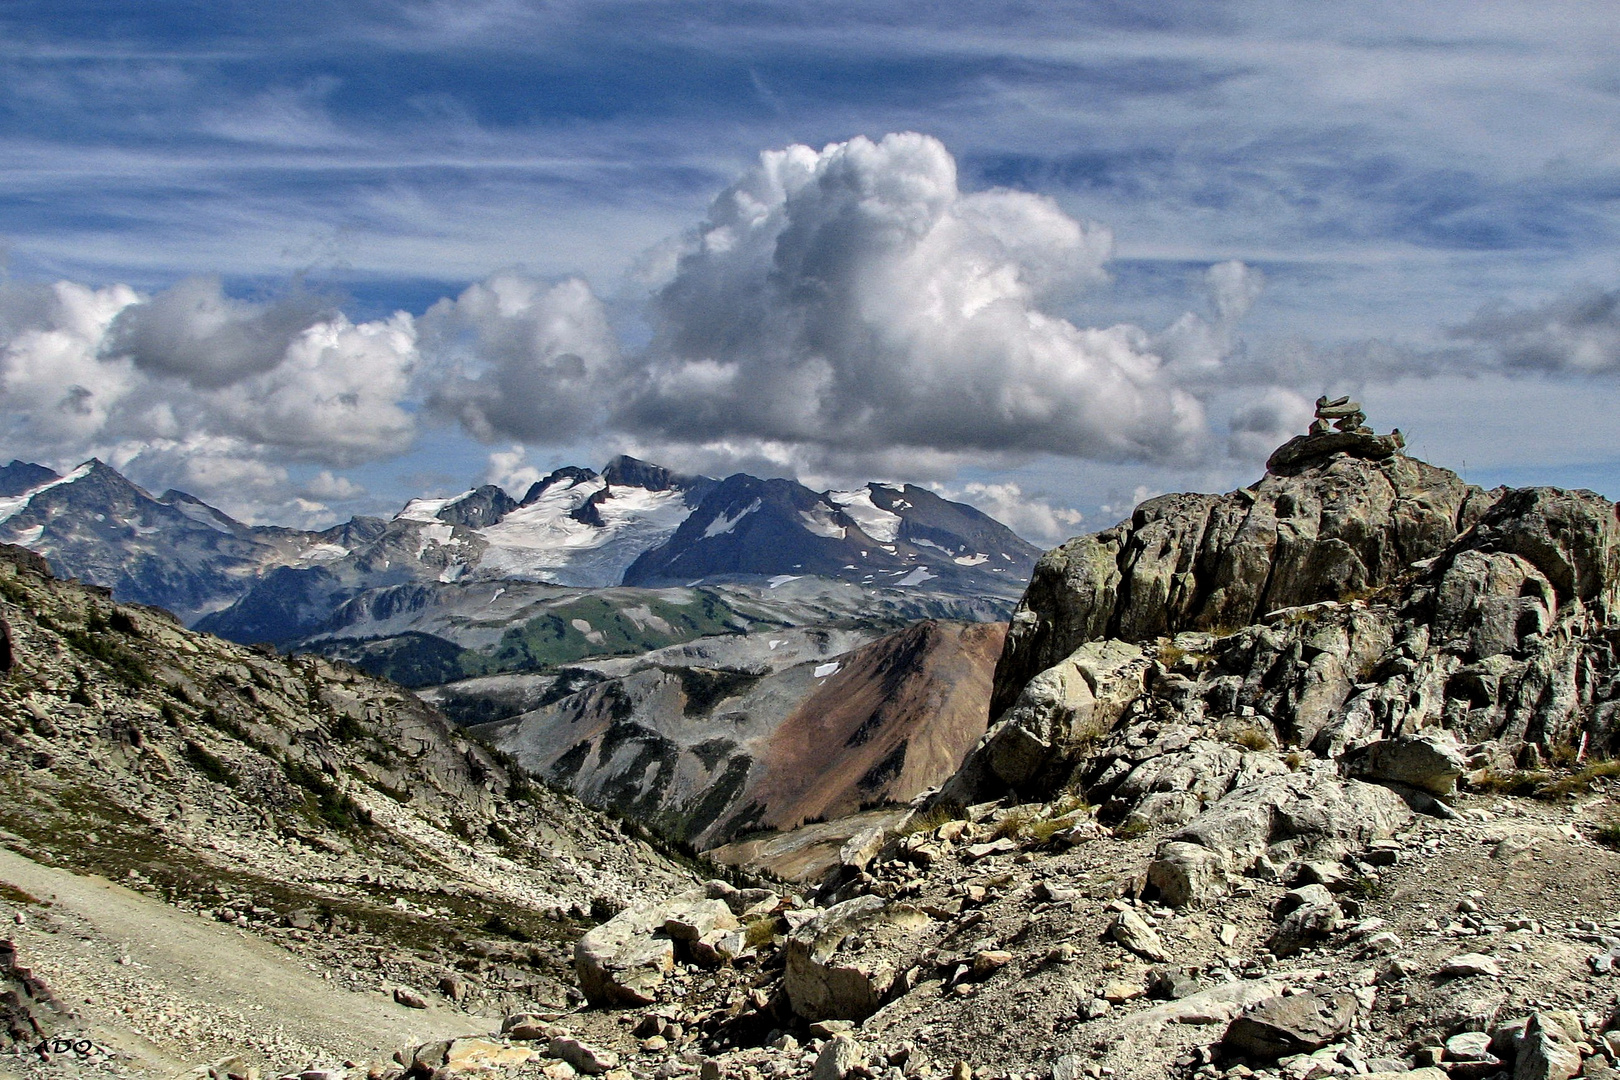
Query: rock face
[1364, 607]
[1341, 524]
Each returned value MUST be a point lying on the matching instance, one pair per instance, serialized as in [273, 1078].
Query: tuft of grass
[1294, 760]
[931, 819]
[1251, 738]
[1578, 781]
[1042, 831]
[1013, 824]
[1366, 888]
[760, 931]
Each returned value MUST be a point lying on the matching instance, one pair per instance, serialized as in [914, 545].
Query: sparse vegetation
[1250, 737]
[759, 932]
[931, 819]
[1608, 829]
[1013, 824]
[209, 765]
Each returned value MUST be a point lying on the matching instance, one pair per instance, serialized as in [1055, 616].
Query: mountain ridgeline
[586, 563]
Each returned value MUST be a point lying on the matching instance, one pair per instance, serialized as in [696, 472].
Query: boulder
[1308, 914]
[1281, 1026]
[585, 1058]
[695, 919]
[1033, 746]
[841, 1056]
[1488, 602]
[1548, 1049]
[1187, 874]
[1430, 761]
[1133, 932]
[481, 1056]
[1470, 965]
[621, 963]
[824, 980]
[1312, 812]
[1571, 537]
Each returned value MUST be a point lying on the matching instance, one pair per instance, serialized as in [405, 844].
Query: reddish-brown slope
[896, 719]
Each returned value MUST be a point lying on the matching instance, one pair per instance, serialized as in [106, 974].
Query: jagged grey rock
[1280, 1026]
[1133, 932]
[1302, 814]
[1429, 760]
[824, 981]
[621, 963]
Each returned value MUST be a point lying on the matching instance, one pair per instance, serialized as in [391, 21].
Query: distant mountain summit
[173, 551]
[634, 523]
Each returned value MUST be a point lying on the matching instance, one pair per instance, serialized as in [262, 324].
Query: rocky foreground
[1309, 779]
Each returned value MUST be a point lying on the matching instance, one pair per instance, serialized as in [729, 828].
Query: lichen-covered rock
[1062, 710]
[826, 979]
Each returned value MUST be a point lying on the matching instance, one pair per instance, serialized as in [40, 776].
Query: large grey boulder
[1291, 816]
[829, 977]
[621, 963]
[1280, 1026]
[1308, 914]
[1430, 761]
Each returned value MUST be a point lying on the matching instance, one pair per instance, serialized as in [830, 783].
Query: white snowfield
[880, 524]
[724, 523]
[12, 505]
[542, 542]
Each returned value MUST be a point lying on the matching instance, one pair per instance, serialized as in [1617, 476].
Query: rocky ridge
[291, 798]
[1311, 779]
[1308, 844]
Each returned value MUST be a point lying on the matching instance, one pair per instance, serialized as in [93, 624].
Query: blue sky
[1423, 200]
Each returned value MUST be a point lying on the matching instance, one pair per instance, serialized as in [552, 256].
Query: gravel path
[169, 991]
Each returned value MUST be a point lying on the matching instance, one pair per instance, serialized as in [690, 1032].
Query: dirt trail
[172, 990]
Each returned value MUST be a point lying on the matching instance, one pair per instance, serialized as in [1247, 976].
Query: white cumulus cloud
[855, 298]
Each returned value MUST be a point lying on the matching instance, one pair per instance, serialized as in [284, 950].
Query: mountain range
[630, 558]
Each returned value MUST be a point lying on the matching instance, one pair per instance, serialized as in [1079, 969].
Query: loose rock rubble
[1293, 783]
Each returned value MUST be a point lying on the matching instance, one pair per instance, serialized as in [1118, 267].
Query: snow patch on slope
[819, 521]
[11, 505]
[880, 524]
[725, 523]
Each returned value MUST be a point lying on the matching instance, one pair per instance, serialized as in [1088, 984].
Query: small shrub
[1251, 738]
[1366, 888]
[348, 729]
[1069, 802]
[324, 800]
[1294, 760]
